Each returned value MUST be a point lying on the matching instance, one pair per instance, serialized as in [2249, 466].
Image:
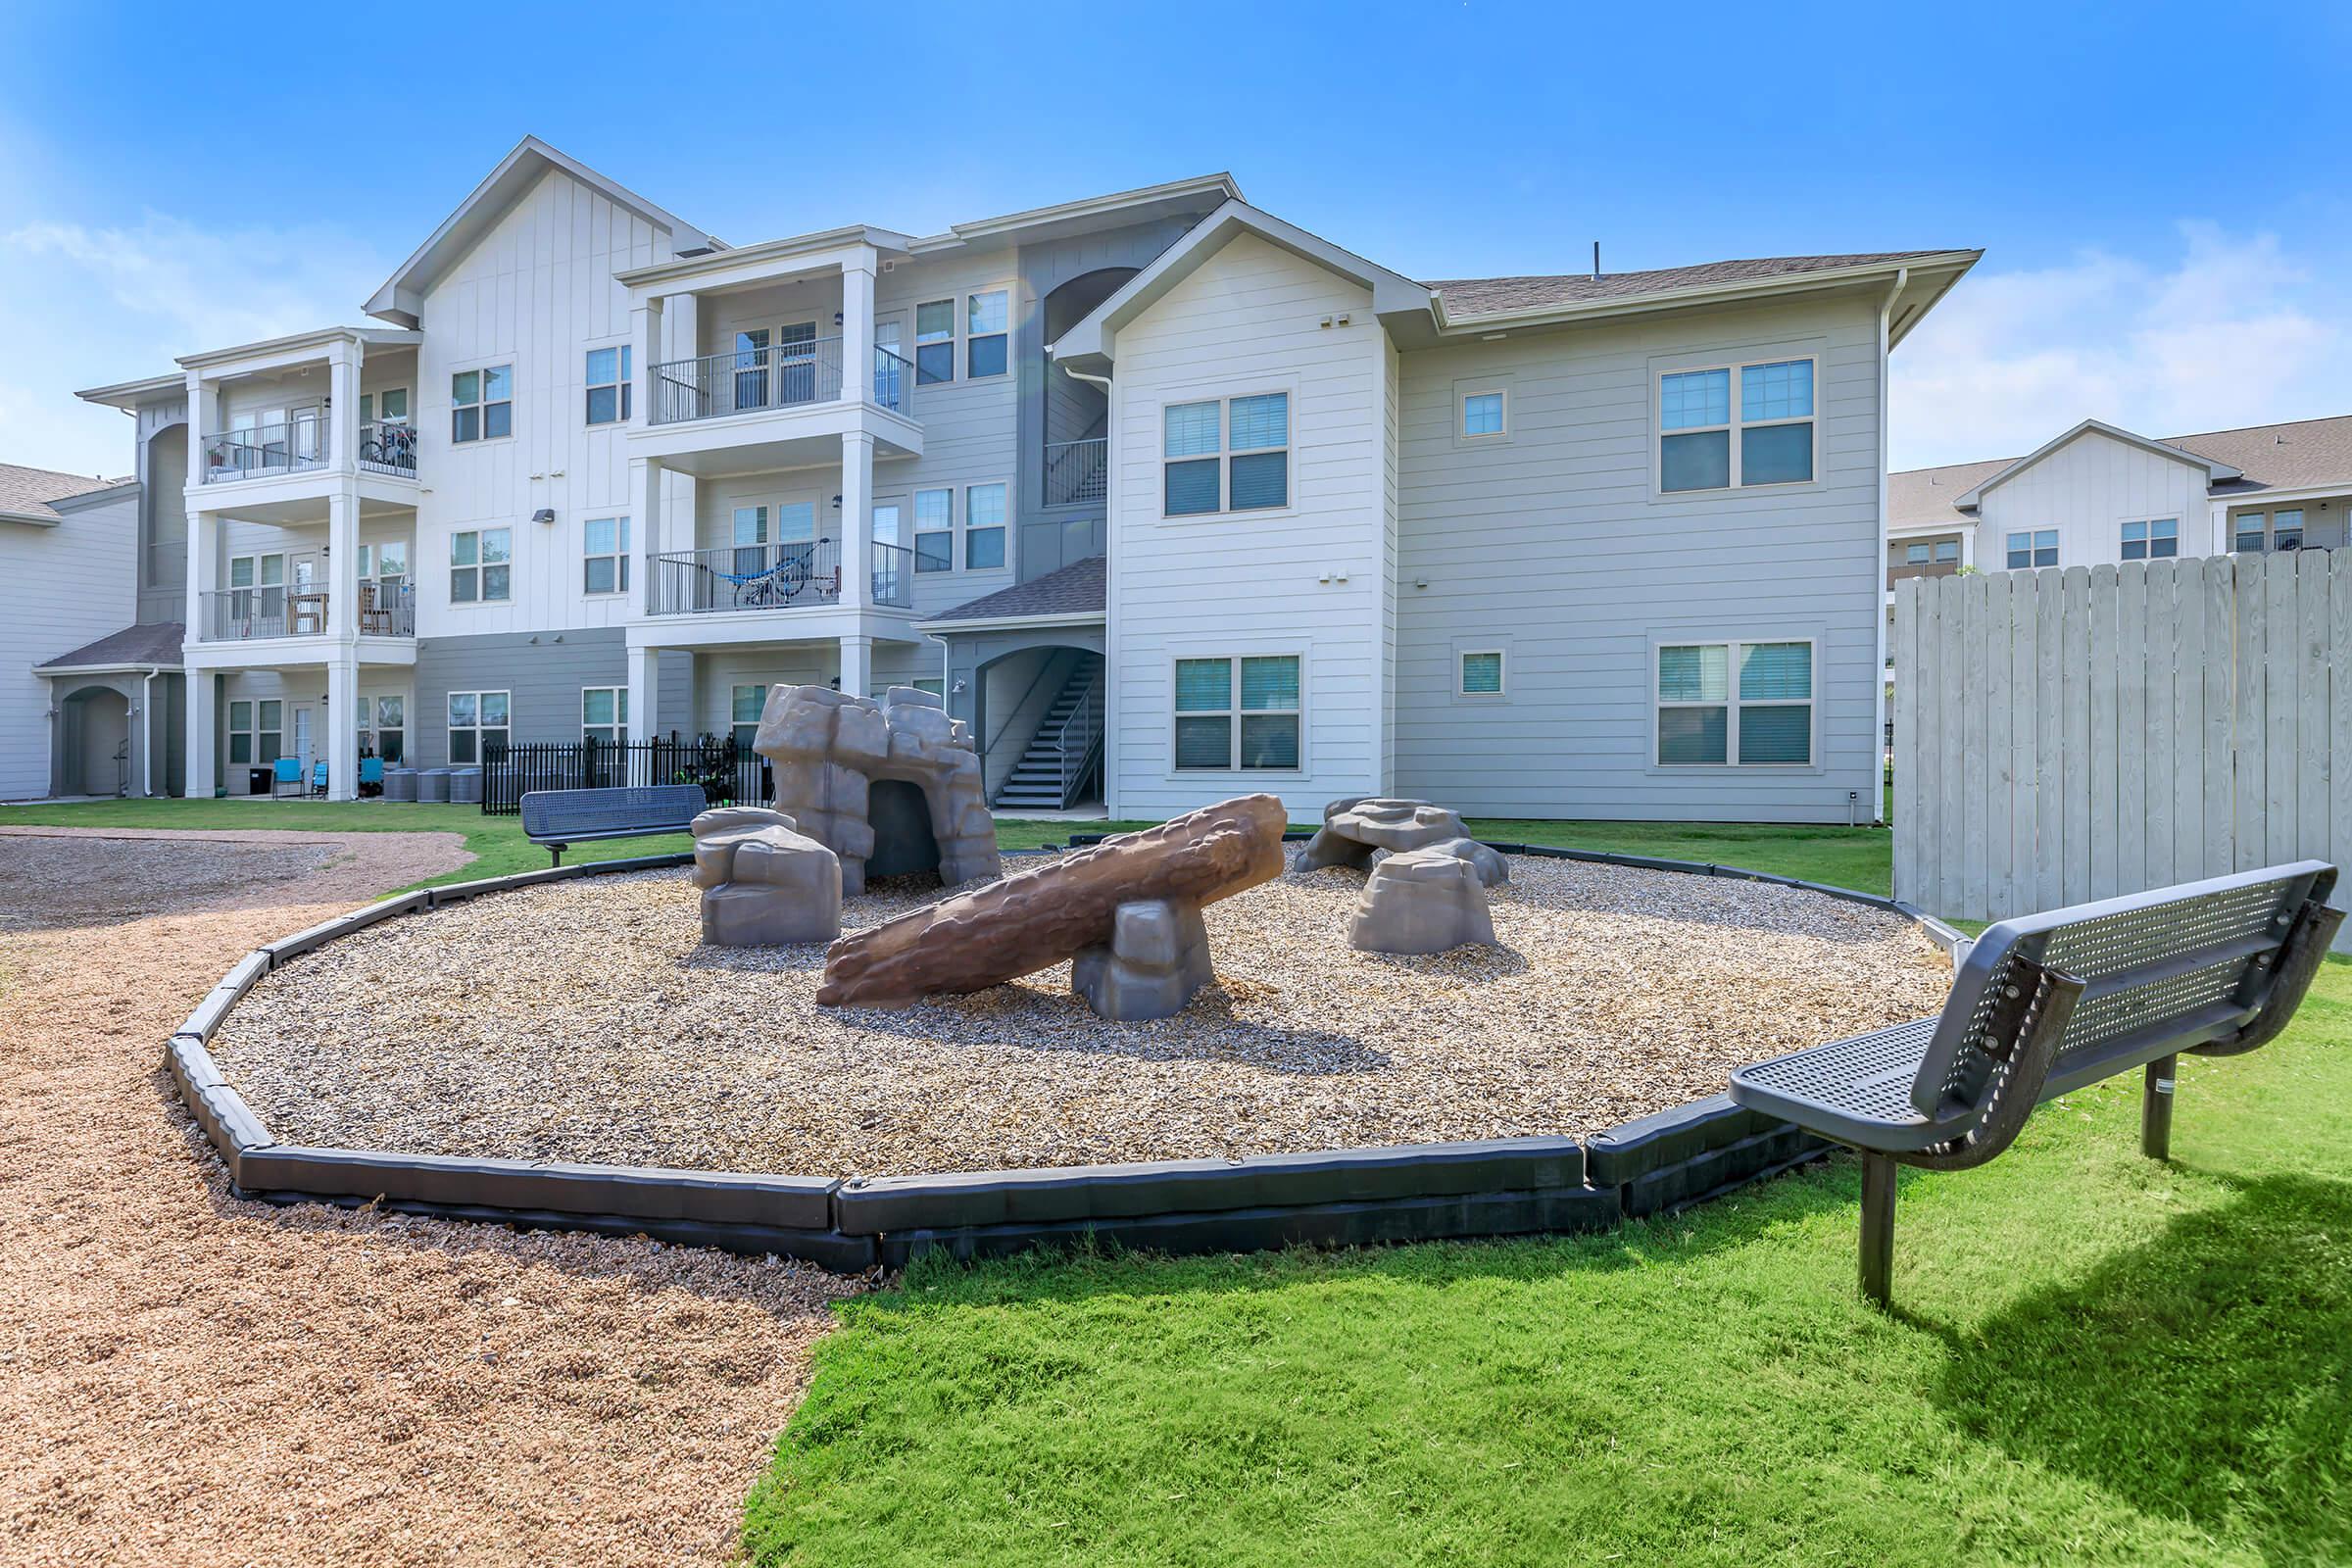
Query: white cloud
[2234, 331]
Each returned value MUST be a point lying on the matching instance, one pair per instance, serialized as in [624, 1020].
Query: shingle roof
[2302, 454]
[1074, 590]
[1468, 297]
[28, 492]
[156, 644]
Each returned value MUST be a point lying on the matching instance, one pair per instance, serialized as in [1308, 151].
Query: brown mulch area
[188, 1378]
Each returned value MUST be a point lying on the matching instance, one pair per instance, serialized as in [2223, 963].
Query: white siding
[60, 588]
[2087, 490]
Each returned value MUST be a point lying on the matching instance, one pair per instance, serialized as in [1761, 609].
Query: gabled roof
[1093, 341]
[1075, 592]
[145, 647]
[2216, 473]
[28, 495]
[402, 296]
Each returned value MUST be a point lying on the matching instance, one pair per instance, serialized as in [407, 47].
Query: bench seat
[555, 818]
[1857, 1090]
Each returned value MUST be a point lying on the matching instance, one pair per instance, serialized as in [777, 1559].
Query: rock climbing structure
[1357, 827]
[1423, 901]
[764, 884]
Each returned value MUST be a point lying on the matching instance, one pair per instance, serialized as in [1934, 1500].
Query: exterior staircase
[1065, 753]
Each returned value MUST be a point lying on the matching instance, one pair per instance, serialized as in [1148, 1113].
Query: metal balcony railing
[241, 614]
[263, 449]
[777, 577]
[388, 446]
[783, 375]
[1074, 470]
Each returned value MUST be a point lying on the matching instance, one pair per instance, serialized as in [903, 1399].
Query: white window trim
[964, 331]
[962, 507]
[737, 688]
[1502, 673]
[1731, 364]
[624, 397]
[954, 340]
[514, 385]
[2009, 535]
[1176, 655]
[2148, 523]
[1732, 702]
[371, 732]
[449, 730]
[620, 713]
[1224, 394]
[450, 566]
[620, 557]
[954, 511]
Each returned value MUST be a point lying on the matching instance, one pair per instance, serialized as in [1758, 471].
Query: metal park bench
[2048, 1004]
[560, 818]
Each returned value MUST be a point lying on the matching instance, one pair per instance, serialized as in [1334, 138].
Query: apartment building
[1167, 498]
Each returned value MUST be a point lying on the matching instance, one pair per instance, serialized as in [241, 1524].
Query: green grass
[2096, 1359]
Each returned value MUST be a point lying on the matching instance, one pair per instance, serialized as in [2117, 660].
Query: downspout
[147, 733]
[1110, 639]
[1878, 573]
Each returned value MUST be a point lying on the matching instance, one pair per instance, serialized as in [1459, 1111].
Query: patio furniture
[560, 818]
[372, 775]
[2048, 1004]
[286, 774]
[306, 613]
[319, 778]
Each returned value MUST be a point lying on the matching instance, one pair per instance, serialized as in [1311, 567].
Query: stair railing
[1079, 735]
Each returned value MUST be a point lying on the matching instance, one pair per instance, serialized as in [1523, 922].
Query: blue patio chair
[319, 778]
[372, 775]
[286, 771]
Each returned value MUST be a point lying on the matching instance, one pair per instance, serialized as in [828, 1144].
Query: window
[1704, 719]
[394, 401]
[1772, 423]
[2252, 530]
[480, 569]
[1916, 555]
[1482, 673]
[608, 386]
[384, 726]
[934, 342]
[749, 701]
[983, 526]
[481, 404]
[2153, 540]
[605, 548]
[1937, 552]
[385, 567]
[605, 714]
[1481, 414]
[256, 598]
[937, 688]
[2039, 548]
[1216, 733]
[254, 735]
[934, 531]
[1229, 456]
[477, 726]
[1948, 552]
[2287, 529]
[984, 335]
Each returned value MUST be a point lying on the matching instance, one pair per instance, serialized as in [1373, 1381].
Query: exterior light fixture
[544, 515]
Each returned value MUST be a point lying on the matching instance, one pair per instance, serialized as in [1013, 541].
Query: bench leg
[1878, 1227]
[2156, 1108]
[554, 854]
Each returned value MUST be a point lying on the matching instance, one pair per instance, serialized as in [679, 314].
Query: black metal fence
[730, 773]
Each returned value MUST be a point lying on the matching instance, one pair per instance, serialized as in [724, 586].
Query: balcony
[249, 614]
[771, 577]
[262, 450]
[788, 375]
[388, 447]
[1074, 470]
[1943, 568]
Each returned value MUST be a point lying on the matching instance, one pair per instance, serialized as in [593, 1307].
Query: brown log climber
[1035, 919]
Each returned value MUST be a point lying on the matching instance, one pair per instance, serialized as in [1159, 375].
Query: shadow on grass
[2206, 1375]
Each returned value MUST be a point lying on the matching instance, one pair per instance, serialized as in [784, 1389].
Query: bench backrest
[2162, 971]
[552, 814]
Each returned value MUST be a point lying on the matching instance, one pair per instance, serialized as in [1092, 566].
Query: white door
[299, 739]
[891, 565]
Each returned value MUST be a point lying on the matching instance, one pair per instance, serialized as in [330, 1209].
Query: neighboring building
[2099, 496]
[89, 699]
[1167, 498]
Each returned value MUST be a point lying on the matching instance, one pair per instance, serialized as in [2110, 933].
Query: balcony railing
[1074, 470]
[388, 446]
[784, 375]
[241, 614]
[264, 449]
[782, 576]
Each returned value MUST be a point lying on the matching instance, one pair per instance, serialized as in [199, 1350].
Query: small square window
[1481, 414]
[1482, 673]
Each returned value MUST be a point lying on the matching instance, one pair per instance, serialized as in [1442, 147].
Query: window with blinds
[1482, 673]
[1238, 714]
[1736, 425]
[1225, 455]
[1735, 704]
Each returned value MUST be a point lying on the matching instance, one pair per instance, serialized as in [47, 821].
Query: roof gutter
[1877, 560]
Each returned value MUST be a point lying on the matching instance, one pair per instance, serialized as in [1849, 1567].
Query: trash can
[433, 784]
[258, 780]
[465, 786]
[399, 783]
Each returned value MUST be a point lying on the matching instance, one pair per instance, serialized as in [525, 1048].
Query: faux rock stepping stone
[764, 883]
[1158, 957]
[1420, 902]
[1355, 825]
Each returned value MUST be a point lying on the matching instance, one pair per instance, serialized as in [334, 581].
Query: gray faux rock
[1493, 870]
[1355, 825]
[764, 884]
[1157, 959]
[1422, 901]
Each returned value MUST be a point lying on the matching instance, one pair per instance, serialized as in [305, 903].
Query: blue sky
[2159, 189]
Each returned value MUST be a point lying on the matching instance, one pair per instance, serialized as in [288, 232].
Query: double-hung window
[1735, 704]
[384, 726]
[1730, 426]
[2156, 539]
[746, 705]
[984, 507]
[934, 342]
[481, 404]
[480, 565]
[1939, 552]
[2286, 528]
[2034, 546]
[1225, 455]
[935, 530]
[985, 319]
[1238, 714]
[608, 386]
[2256, 531]
[477, 726]
[605, 556]
[255, 733]
[605, 714]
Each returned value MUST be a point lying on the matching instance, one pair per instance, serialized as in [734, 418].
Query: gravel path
[583, 1020]
[189, 1379]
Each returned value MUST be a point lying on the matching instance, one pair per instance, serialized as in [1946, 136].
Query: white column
[342, 407]
[646, 516]
[856, 518]
[857, 665]
[200, 426]
[343, 561]
[200, 742]
[645, 692]
[1968, 546]
[858, 327]
[645, 328]
[204, 571]
[343, 724]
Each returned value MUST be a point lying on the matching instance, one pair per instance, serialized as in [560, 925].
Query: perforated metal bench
[560, 818]
[2049, 1003]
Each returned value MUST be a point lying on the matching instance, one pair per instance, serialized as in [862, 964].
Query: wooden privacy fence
[2072, 734]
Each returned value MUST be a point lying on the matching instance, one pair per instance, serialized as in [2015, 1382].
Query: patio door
[796, 363]
[889, 380]
[890, 558]
[299, 738]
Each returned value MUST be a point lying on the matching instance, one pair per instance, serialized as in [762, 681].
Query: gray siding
[544, 677]
[1555, 547]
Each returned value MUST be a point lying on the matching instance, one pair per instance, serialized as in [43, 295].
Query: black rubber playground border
[1409, 1193]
